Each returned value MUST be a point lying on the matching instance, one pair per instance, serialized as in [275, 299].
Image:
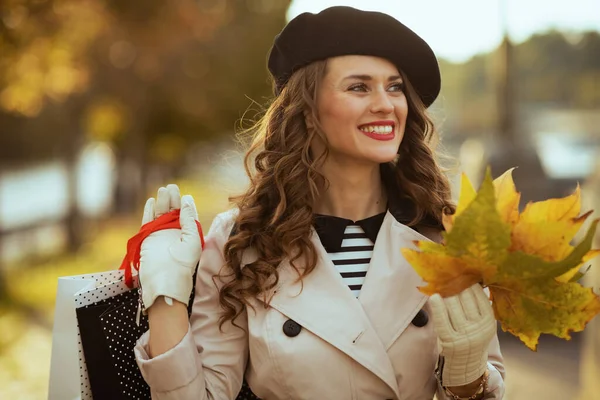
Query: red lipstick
[380, 136]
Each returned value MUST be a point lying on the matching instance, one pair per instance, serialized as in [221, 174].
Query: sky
[458, 29]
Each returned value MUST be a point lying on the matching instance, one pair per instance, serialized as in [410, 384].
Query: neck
[353, 193]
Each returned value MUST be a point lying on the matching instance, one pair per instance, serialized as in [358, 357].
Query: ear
[308, 120]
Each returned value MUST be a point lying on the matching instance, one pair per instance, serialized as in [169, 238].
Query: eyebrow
[369, 77]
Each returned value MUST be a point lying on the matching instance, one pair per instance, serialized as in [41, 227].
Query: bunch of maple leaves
[525, 259]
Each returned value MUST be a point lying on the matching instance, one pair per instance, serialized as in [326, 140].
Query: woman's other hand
[465, 325]
[168, 257]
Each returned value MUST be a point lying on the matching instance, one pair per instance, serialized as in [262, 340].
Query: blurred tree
[185, 73]
[149, 77]
[42, 45]
[468, 94]
[545, 64]
[550, 68]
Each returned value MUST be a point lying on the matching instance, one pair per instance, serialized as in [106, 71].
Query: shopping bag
[109, 331]
[81, 362]
[97, 372]
[66, 375]
[121, 331]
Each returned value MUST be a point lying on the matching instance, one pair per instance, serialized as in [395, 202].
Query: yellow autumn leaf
[448, 273]
[507, 197]
[545, 228]
[571, 274]
[506, 194]
[562, 209]
[527, 260]
[556, 220]
[467, 194]
[471, 240]
[531, 307]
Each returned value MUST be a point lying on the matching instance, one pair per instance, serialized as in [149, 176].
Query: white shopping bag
[68, 374]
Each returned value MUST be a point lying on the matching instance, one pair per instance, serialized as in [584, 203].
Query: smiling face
[362, 110]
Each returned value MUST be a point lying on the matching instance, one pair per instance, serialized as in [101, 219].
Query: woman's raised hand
[169, 257]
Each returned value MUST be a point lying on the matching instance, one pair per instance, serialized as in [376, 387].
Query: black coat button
[421, 319]
[291, 328]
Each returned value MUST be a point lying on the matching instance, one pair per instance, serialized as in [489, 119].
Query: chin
[385, 160]
[374, 156]
[380, 160]
[384, 157]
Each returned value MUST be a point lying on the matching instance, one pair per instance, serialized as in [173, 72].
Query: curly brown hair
[276, 211]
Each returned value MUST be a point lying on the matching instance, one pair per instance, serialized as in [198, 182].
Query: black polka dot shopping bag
[95, 330]
[68, 370]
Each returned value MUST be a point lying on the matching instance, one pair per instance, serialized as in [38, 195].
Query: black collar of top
[339, 31]
[331, 229]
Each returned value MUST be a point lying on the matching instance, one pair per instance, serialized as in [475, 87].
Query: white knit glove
[169, 257]
[465, 325]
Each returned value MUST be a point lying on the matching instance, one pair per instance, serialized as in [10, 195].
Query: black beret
[338, 31]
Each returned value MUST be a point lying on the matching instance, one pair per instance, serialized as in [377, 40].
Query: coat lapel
[389, 295]
[324, 305]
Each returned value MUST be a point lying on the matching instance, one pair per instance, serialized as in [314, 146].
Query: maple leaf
[532, 307]
[525, 259]
[471, 251]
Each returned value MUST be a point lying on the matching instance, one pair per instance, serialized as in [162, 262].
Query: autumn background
[103, 101]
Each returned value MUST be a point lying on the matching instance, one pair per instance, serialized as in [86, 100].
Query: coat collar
[366, 327]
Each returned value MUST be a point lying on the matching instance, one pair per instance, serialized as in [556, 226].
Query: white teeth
[377, 129]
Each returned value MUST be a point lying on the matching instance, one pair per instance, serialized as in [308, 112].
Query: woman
[301, 289]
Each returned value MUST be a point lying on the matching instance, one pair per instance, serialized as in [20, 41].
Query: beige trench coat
[348, 348]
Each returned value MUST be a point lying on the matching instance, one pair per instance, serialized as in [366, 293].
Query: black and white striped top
[353, 258]
[349, 245]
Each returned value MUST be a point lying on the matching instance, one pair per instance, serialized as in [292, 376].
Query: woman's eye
[397, 87]
[358, 88]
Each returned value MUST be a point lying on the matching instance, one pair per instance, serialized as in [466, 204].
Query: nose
[381, 104]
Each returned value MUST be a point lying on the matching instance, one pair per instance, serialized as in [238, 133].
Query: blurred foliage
[151, 78]
[552, 68]
[105, 120]
[41, 45]
[129, 72]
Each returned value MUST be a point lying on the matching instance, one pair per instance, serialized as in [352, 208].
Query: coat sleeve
[495, 385]
[208, 363]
